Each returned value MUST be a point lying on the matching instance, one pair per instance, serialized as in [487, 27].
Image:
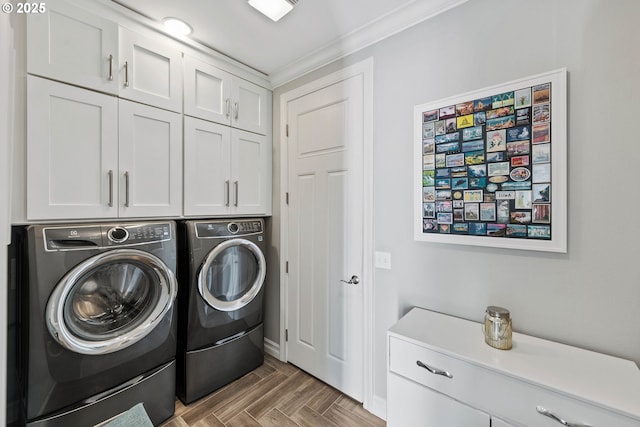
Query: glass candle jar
[497, 327]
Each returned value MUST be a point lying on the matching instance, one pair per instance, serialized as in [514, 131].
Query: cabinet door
[150, 70]
[150, 161]
[207, 91]
[411, 404]
[250, 173]
[207, 168]
[250, 106]
[72, 149]
[71, 45]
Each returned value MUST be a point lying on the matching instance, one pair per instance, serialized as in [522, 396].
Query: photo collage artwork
[486, 167]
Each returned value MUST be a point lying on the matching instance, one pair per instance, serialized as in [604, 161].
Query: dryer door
[110, 301]
[232, 274]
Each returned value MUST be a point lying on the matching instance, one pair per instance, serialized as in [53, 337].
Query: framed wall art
[491, 166]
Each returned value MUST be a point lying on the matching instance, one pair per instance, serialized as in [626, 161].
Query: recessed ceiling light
[274, 9]
[177, 27]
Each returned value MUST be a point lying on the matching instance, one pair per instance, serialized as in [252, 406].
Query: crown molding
[381, 28]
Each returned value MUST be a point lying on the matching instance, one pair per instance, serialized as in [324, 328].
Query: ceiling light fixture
[177, 27]
[274, 9]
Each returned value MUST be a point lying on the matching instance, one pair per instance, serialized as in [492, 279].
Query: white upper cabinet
[72, 152]
[106, 103]
[72, 45]
[218, 96]
[150, 161]
[226, 171]
[207, 167]
[207, 91]
[249, 106]
[150, 71]
[90, 155]
[250, 173]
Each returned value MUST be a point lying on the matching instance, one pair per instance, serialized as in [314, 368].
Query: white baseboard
[272, 348]
[378, 407]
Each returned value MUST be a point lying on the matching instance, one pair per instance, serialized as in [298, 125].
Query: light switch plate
[383, 260]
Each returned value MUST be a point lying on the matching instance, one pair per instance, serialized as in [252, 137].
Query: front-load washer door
[110, 301]
[232, 274]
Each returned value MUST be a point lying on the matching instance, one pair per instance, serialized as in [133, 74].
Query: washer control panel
[213, 229]
[104, 235]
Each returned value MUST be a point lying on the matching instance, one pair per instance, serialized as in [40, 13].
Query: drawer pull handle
[548, 413]
[434, 371]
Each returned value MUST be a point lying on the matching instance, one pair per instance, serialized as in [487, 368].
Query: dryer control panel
[217, 229]
[66, 238]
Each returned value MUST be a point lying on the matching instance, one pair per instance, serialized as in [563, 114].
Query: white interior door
[325, 234]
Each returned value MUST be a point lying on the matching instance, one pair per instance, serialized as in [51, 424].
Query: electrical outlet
[383, 260]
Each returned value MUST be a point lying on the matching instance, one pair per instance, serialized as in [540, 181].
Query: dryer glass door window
[110, 301]
[232, 274]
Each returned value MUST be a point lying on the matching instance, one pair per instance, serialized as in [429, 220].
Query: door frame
[364, 68]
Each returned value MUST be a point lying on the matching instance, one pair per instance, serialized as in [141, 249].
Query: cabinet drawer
[410, 404]
[404, 359]
[517, 401]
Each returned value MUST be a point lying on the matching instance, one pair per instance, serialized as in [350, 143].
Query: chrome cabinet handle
[434, 371]
[110, 175]
[110, 67]
[126, 189]
[236, 110]
[227, 107]
[353, 281]
[126, 73]
[547, 413]
[235, 202]
[226, 193]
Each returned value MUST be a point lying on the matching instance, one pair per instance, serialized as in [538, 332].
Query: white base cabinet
[90, 155]
[227, 171]
[441, 372]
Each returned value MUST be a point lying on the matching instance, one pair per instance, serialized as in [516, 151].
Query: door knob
[353, 281]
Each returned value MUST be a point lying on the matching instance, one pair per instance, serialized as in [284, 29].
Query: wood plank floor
[274, 395]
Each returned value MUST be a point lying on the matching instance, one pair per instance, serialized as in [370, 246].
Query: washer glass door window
[232, 274]
[110, 301]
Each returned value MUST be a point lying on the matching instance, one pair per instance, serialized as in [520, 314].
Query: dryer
[221, 272]
[98, 321]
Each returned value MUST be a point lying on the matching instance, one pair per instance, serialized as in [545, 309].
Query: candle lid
[499, 312]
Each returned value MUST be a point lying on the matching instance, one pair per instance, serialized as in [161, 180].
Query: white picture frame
[548, 233]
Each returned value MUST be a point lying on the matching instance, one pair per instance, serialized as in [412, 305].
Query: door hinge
[287, 130]
[286, 335]
[287, 197]
[286, 266]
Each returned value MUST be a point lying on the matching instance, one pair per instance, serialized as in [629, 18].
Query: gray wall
[589, 297]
